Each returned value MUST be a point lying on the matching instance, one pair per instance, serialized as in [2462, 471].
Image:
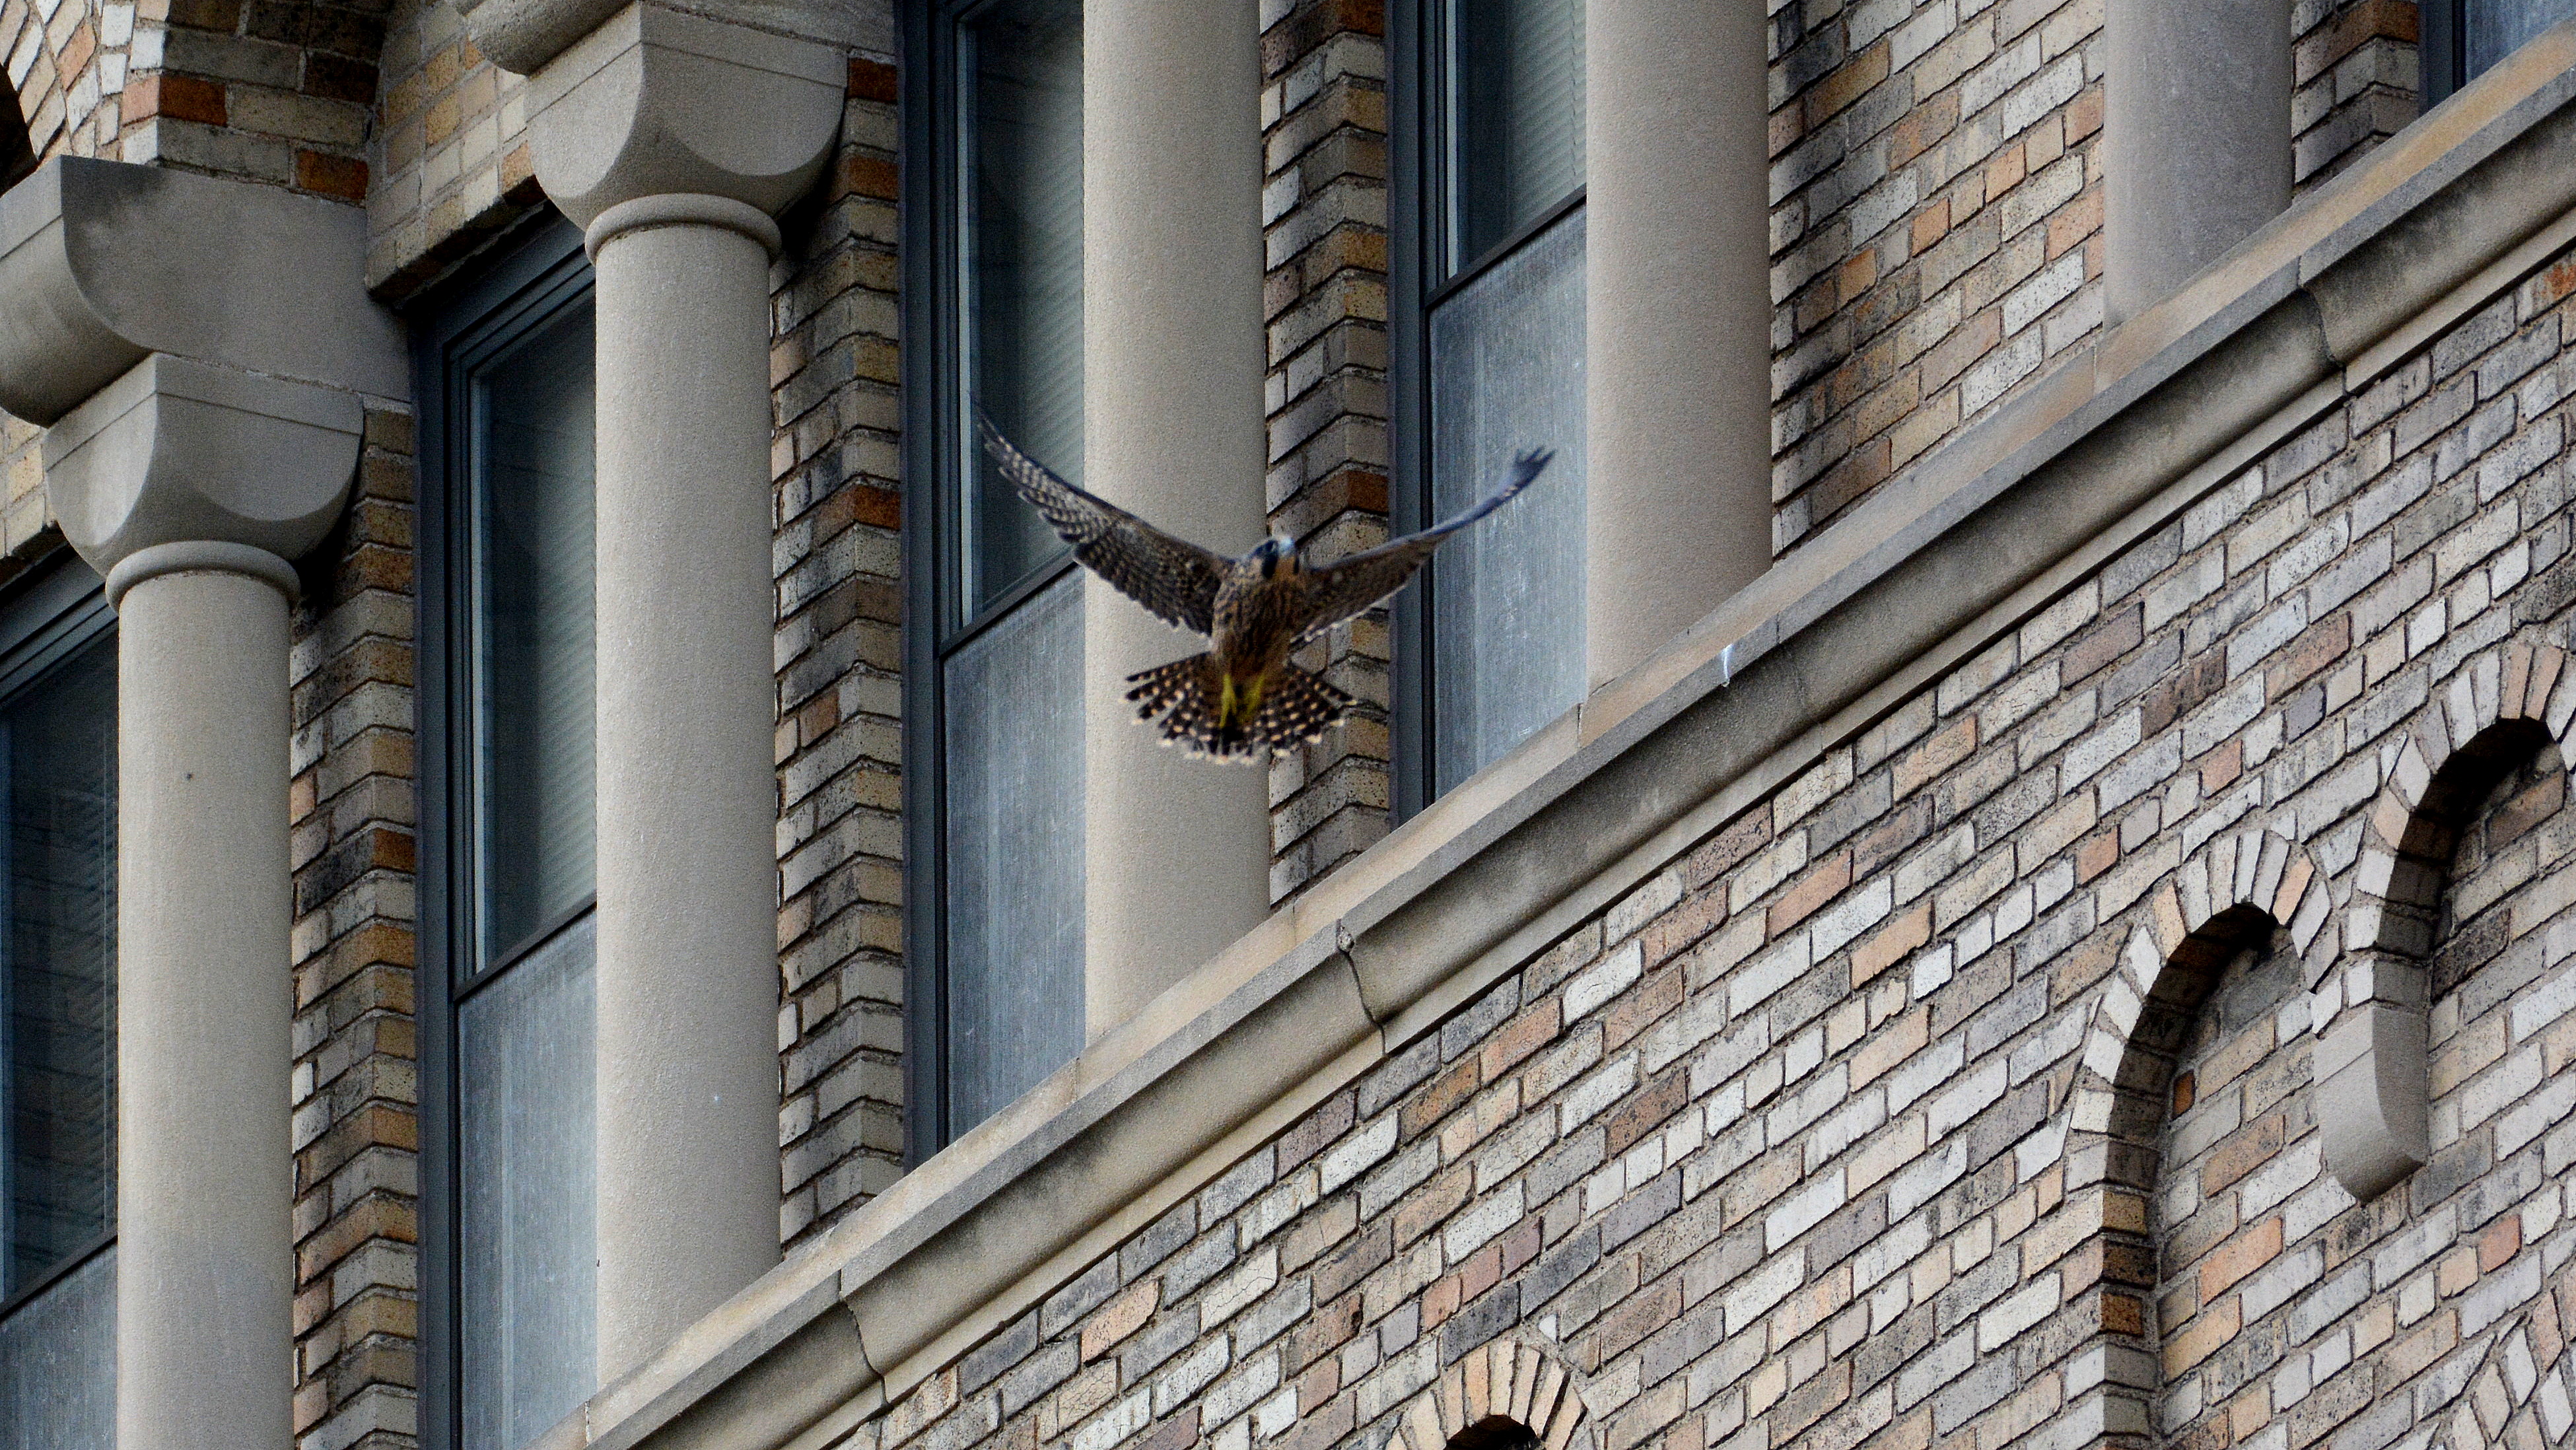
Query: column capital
[662, 102]
[521, 36]
[184, 465]
[201, 396]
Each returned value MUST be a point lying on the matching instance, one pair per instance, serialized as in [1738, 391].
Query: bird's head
[1277, 556]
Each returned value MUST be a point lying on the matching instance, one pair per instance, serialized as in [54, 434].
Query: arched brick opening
[2369, 1006]
[2223, 935]
[2522, 1390]
[17, 152]
[1505, 1394]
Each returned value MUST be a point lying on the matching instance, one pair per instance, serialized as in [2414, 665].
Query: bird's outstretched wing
[1338, 591]
[1175, 580]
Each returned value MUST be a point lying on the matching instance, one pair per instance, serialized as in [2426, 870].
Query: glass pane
[1014, 748]
[1507, 595]
[1515, 116]
[533, 597]
[60, 986]
[1020, 115]
[524, 1133]
[2497, 28]
[58, 1363]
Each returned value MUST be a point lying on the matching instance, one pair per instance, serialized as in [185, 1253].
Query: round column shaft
[1177, 863]
[1678, 320]
[688, 897]
[205, 1274]
[2196, 138]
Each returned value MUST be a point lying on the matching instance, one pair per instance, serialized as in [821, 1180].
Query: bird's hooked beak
[1278, 556]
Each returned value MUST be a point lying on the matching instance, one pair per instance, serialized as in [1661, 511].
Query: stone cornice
[2116, 441]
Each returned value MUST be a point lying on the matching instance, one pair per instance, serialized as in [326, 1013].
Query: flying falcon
[1242, 698]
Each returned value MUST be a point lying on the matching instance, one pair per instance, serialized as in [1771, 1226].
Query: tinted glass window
[58, 1018]
[519, 585]
[1516, 116]
[2497, 28]
[1010, 716]
[1507, 376]
[1020, 138]
[532, 625]
[1504, 335]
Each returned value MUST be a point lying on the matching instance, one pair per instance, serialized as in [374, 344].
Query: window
[1488, 318]
[995, 798]
[506, 401]
[58, 1012]
[2464, 38]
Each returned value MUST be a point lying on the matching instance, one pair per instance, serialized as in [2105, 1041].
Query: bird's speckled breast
[1256, 622]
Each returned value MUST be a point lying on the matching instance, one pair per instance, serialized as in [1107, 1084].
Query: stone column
[1177, 858]
[188, 486]
[2195, 138]
[1677, 347]
[672, 138]
[187, 468]
[205, 1266]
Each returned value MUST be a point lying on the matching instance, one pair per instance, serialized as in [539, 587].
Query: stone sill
[1936, 564]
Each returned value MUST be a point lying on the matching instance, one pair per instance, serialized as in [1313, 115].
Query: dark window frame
[937, 449]
[2442, 56]
[49, 612]
[541, 271]
[1419, 222]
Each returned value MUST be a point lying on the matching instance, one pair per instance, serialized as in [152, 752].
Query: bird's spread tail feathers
[1200, 714]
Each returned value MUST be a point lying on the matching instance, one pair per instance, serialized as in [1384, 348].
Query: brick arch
[2233, 888]
[2236, 892]
[2522, 1389]
[2368, 1005]
[1512, 1378]
[17, 151]
[37, 122]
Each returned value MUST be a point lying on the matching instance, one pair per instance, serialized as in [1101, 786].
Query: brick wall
[1936, 216]
[68, 67]
[840, 730]
[278, 91]
[356, 1088]
[448, 149]
[1934, 228]
[27, 528]
[1957, 1094]
[1324, 163]
[1937, 209]
[1617, 1152]
[2353, 69]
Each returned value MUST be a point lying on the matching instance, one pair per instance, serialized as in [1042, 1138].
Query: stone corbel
[660, 103]
[2372, 1094]
[204, 404]
[96, 262]
[521, 36]
[187, 465]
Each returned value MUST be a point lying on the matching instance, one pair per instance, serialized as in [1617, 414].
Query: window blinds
[1516, 117]
[1021, 119]
[534, 635]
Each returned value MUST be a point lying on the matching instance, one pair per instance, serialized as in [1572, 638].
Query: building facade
[1986, 859]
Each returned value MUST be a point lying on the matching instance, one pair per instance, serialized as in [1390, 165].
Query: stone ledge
[2120, 438]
